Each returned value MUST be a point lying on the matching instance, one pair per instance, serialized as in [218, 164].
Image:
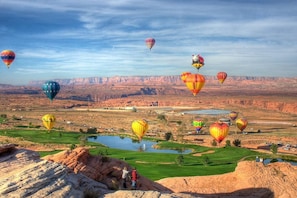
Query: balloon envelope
[184, 75]
[139, 128]
[195, 83]
[7, 57]
[197, 61]
[150, 42]
[48, 121]
[221, 76]
[198, 124]
[51, 89]
[241, 123]
[233, 115]
[219, 131]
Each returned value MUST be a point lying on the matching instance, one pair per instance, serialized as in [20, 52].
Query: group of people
[128, 176]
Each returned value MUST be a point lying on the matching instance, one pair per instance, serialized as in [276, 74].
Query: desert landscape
[110, 105]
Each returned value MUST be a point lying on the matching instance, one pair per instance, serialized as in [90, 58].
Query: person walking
[134, 177]
[125, 175]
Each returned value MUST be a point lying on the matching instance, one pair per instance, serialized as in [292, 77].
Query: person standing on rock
[125, 175]
[134, 177]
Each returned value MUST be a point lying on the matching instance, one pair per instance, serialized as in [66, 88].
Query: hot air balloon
[221, 76]
[219, 131]
[241, 123]
[195, 82]
[7, 57]
[150, 42]
[233, 115]
[184, 75]
[198, 124]
[139, 128]
[48, 121]
[197, 61]
[51, 89]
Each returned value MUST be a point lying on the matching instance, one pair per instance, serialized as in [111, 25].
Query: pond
[126, 143]
[208, 112]
[267, 161]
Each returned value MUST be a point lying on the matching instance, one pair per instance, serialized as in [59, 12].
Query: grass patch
[154, 166]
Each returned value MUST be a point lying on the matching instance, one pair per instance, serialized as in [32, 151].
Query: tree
[237, 142]
[179, 160]
[273, 148]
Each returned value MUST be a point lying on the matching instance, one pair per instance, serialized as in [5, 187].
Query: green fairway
[211, 161]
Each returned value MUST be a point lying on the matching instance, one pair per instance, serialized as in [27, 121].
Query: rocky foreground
[78, 174]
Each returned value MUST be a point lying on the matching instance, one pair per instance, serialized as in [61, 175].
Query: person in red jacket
[134, 177]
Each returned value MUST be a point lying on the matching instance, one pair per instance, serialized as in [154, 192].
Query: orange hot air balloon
[233, 115]
[195, 83]
[222, 77]
[241, 123]
[139, 128]
[7, 57]
[150, 42]
[219, 131]
[184, 75]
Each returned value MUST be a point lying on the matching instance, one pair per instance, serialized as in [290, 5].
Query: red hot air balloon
[7, 57]
[195, 83]
[150, 42]
[222, 77]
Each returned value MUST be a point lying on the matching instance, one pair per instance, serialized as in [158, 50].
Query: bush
[228, 143]
[214, 142]
[162, 117]
[237, 142]
[168, 136]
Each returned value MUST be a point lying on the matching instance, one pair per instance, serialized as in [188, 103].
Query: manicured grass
[154, 166]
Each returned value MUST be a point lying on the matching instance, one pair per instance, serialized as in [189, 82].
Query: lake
[126, 143]
[207, 112]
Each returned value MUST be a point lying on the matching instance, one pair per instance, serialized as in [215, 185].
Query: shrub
[214, 142]
[72, 146]
[168, 136]
[162, 117]
[228, 143]
[237, 142]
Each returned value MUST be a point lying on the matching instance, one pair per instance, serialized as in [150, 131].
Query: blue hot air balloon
[51, 89]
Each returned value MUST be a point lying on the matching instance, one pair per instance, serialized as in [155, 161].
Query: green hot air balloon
[51, 89]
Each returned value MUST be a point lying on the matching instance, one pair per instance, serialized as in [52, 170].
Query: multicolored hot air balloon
[195, 83]
[219, 131]
[139, 128]
[198, 123]
[48, 121]
[184, 75]
[197, 61]
[51, 89]
[233, 115]
[241, 123]
[222, 76]
[7, 57]
[150, 42]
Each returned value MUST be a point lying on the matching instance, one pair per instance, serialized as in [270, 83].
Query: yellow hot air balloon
[139, 128]
[48, 121]
[219, 131]
[241, 123]
[195, 83]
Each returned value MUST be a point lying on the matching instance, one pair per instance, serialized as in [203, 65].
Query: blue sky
[60, 39]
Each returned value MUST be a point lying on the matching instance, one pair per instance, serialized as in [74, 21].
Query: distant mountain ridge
[149, 80]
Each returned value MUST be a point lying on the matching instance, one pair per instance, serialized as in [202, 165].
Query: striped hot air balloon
[195, 83]
[7, 57]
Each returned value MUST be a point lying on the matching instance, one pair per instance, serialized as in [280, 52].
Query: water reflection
[126, 143]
